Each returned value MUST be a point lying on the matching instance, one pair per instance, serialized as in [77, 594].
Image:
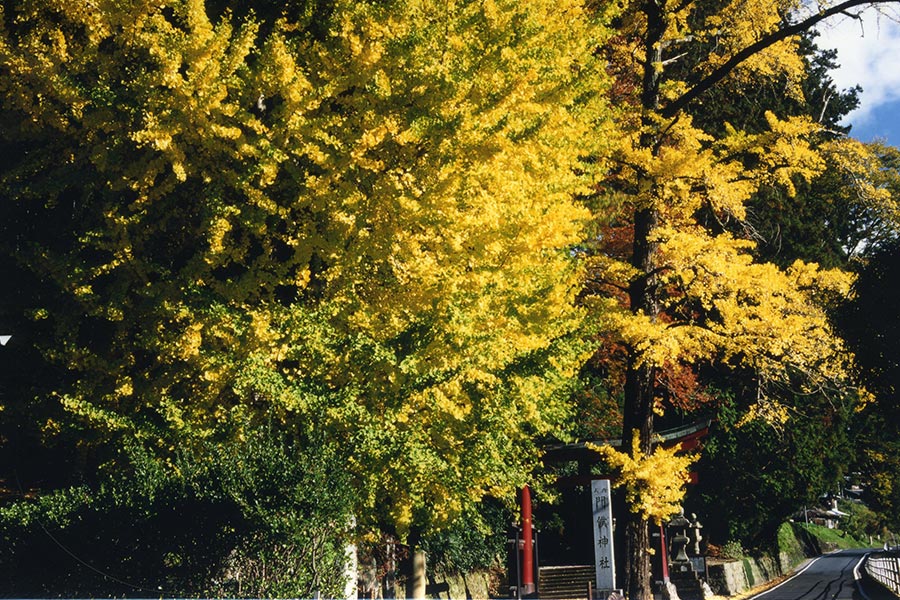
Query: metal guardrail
[884, 567]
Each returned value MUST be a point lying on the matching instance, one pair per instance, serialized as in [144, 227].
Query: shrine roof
[688, 436]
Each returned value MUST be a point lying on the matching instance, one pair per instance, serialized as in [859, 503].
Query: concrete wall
[736, 576]
[728, 578]
[462, 587]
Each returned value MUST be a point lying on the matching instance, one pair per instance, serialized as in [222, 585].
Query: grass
[834, 539]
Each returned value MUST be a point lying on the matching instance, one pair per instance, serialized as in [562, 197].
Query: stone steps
[566, 582]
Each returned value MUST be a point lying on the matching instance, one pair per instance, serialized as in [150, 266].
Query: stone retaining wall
[736, 576]
[480, 584]
[727, 578]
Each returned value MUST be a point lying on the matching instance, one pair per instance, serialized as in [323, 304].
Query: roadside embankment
[794, 545]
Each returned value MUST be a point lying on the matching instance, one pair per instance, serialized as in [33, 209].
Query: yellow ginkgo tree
[685, 289]
[653, 483]
[353, 218]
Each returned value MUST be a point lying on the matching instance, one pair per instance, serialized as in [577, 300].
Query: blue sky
[869, 55]
[884, 124]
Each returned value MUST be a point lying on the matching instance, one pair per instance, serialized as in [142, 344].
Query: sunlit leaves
[654, 483]
[363, 230]
[717, 302]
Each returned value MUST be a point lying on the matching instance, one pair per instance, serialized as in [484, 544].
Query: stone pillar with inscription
[604, 557]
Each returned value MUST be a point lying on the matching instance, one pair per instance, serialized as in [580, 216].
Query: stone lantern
[678, 528]
[695, 539]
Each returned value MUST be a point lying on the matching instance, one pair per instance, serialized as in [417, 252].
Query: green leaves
[218, 520]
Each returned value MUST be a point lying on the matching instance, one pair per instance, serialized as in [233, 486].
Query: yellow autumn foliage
[707, 299]
[361, 226]
[654, 483]
[366, 224]
[719, 302]
[675, 278]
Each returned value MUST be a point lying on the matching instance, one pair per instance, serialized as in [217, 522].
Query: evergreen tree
[871, 326]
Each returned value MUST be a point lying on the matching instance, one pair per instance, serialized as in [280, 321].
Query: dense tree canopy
[754, 477]
[405, 226]
[831, 219]
[870, 323]
[676, 278]
[359, 226]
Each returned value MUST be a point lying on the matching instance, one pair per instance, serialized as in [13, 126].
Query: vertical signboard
[604, 560]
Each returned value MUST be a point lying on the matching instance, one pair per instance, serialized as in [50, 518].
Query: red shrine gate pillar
[528, 586]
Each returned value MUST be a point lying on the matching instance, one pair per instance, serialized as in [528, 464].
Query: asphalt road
[829, 577]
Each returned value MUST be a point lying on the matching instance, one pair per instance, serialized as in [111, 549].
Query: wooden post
[416, 576]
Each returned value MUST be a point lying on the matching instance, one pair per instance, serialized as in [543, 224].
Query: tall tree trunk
[415, 567]
[637, 560]
[639, 396]
[643, 296]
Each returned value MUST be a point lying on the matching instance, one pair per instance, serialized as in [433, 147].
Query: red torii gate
[688, 436]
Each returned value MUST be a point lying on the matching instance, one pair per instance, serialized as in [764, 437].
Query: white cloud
[869, 56]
